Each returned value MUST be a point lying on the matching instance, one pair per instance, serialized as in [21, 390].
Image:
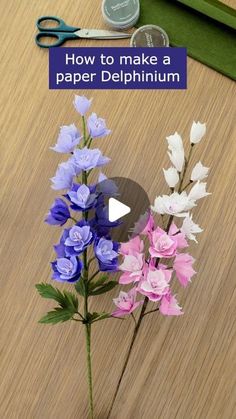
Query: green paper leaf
[93, 317]
[80, 288]
[96, 283]
[104, 288]
[59, 315]
[65, 299]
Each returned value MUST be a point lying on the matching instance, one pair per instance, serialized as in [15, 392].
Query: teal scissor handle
[61, 25]
[60, 38]
[61, 32]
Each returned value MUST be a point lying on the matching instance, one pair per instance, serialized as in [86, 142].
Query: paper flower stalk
[157, 253]
[85, 242]
[86, 255]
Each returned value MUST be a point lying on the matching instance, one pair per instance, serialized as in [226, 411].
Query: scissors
[62, 32]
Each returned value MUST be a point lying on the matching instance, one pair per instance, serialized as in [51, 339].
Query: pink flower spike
[169, 306]
[134, 245]
[183, 268]
[132, 268]
[126, 303]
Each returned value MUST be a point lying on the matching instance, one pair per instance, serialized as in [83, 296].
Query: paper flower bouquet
[86, 255]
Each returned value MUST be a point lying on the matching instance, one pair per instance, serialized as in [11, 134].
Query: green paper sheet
[210, 40]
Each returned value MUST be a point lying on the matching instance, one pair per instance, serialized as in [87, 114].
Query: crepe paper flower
[106, 252]
[97, 126]
[106, 186]
[199, 172]
[174, 204]
[197, 132]
[171, 176]
[155, 285]
[189, 228]
[101, 224]
[132, 268]
[144, 226]
[68, 139]
[67, 269]
[82, 104]
[198, 191]
[169, 306]
[87, 159]
[82, 198]
[58, 214]
[132, 247]
[165, 245]
[126, 303]
[63, 178]
[78, 238]
[176, 154]
[183, 268]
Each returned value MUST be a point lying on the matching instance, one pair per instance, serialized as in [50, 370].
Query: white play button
[117, 210]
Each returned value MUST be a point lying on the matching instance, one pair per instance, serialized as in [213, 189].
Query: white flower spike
[197, 132]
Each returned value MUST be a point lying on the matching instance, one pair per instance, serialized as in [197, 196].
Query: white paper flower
[199, 172]
[171, 176]
[198, 191]
[189, 228]
[198, 131]
[176, 153]
[174, 204]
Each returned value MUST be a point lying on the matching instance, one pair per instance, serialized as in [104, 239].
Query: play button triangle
[117, 210]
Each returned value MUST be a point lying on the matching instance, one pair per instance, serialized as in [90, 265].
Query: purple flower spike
[67, 269]
[58, 214]
[106, 252]
[82, 198]
[68, 139]
[64, 176]
[97, 126]
[78, 238]
[86, 159]
[82, 104]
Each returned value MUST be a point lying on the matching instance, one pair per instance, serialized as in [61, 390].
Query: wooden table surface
[181, 367]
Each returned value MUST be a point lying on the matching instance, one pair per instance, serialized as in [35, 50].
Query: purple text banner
[117, 68]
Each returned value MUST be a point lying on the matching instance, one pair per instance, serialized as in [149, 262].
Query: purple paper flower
[58, 214]
[68, 138]
[86, 159]
[63, 178]
[82, 198]
[106, 252]
[106, 186]
[82, 104]
[78, 238]
[67, 269]
[97, 126]
[101, 223]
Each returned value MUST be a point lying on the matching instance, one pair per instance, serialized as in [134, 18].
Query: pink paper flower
[169, 306]
[132, 268]
[126, 303]
[156, 284]
[165, 245]
[144, 225]
[183, 268]
[134, 245]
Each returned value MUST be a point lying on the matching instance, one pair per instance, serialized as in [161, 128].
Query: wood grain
[180, 368]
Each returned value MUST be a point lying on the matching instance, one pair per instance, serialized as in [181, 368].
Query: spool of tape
[121, 14]
[149, 36]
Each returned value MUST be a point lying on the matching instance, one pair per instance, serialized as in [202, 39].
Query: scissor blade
[101, 34]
